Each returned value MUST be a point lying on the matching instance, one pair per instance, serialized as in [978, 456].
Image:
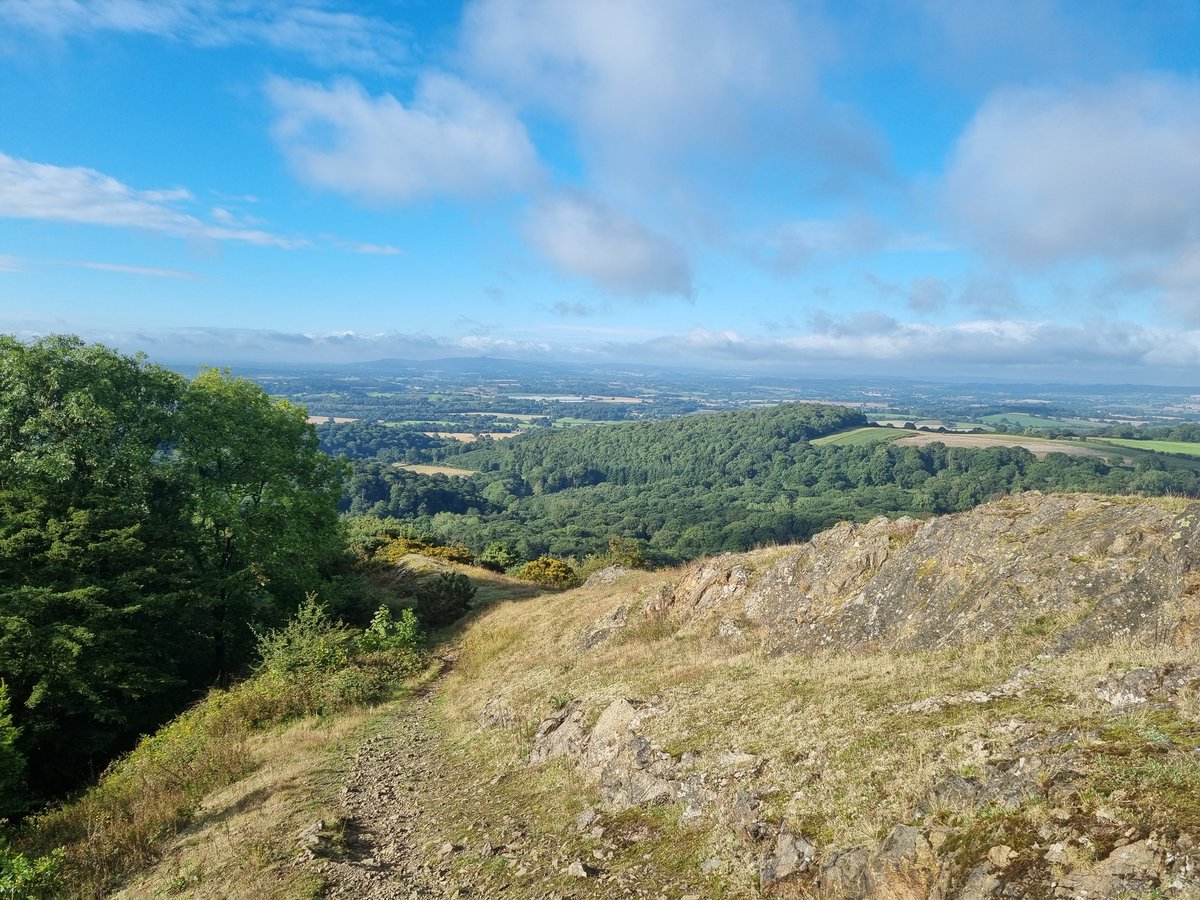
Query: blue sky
[934, 187]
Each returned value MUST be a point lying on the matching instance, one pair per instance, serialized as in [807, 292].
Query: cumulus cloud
[327, 34]
[450, 140]
[30, 190]
[643, 78]
[1041, 176]
[582, 236]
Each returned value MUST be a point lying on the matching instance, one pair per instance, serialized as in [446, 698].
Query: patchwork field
[1181, 447]
[435, 470]
[860, 436]
[467, 437]
[1036, 446]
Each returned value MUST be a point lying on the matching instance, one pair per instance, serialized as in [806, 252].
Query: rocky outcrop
[1087, 568]
[1032, 808]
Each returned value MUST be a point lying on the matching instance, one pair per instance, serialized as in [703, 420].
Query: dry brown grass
[849, 765]
[242, 839]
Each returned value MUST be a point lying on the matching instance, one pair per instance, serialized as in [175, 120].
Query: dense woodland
[711, 483]
[148, 524]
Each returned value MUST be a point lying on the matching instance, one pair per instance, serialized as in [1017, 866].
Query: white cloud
[639, 78]
[1041, 176]
[324, 33]
[149, 271]
[222, 346]
[10, 263]
[789, 247]
[30, 190]
[584, 237]
[1008, 348]
[870, 343]
[450, 140]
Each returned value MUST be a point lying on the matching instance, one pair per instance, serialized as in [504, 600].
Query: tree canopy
[147, 522]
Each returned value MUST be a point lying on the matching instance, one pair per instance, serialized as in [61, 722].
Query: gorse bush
[444, 598]
[548, 571]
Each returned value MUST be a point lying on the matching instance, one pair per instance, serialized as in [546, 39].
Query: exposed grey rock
[498, 712]
[1144, 684]
[706, 587]
[586, 819]
[604, 627]
[981, 884]
[1127, 871]
[842, 874]
[956, 792]
[1109, 566]
[562, 734]
[610, 734]
[729, 629]
[577, 869]
[607, 575]
[791, 855]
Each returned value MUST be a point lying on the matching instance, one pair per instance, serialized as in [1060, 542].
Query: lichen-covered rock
[1143, 684]
[1087, 568]
[562, 734]
[792, 854]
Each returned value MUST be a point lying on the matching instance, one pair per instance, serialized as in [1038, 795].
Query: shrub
[455, 553]
[26, 878]
[388, 633]
[548, 570]
[444, 598]
[498, 557]
[310, 641]
[398, 548]
[313, 665]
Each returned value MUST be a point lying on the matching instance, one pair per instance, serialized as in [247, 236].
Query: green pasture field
[1184, 448]
[1025, 420]
[859, 437]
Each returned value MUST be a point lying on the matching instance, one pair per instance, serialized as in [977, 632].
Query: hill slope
[1000, 703]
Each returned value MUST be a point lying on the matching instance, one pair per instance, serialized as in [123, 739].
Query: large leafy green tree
[88, 558]
[264, 507]
[147, 523]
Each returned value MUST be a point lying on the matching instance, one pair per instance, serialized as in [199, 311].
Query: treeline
[148, 524]
[370, 440]
[1188, 432]
[722, 482]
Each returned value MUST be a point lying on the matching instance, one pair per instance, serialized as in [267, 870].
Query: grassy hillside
[638, 734]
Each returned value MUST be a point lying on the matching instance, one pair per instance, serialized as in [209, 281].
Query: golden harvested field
[323, 420]
[467, 437]
[434, 470]
[1036, 446]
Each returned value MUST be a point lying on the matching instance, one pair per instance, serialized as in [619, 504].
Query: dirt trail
[420, 823]
[416, 823]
